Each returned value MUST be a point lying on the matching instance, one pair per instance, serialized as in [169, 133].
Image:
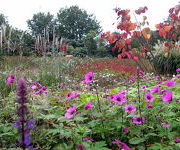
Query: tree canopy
[3, 20]
[75, 23]
[41, 21]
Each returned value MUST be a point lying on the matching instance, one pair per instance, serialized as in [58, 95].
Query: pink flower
[119, 99]
[177, 140]
[10, 79]
[88, 139]
[69, 95]
[125, 130]
[149, 97]
[123, 92]
[44, 93]
[178, 70]
[143, 87]
[167, 97]
[70, 112]
[76, 95]
[166, 125]
[130, 108]
[149, 106]
[62, 86]
[88, 106]
[89, 77]
[138, 120]
[178, 75]
[107, 91]
[156, 89]
[169, 83]
[123, 145]
[33, 87]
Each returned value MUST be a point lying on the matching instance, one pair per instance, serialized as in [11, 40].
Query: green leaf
[136, 140]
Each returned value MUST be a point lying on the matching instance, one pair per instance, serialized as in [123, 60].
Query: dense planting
[73, 103]
[137, 112]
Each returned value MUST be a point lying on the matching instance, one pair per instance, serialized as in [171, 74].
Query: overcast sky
[19, 11]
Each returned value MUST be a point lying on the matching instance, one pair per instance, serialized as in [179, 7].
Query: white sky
[19, 11]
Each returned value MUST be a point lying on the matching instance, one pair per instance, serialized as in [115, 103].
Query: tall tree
[40, 22]
[3, 20]
[75, 23]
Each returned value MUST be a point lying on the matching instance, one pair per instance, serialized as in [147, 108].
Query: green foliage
[75, 23]
[3, 20]
[41, 22]
[166, 65]
[90, 43]
[103, 123]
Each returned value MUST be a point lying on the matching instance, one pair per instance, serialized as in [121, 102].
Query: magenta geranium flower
[70, 112]
[166, 125]
[169, 83]
[119, 99]
[138, 120]
[130, 108]
[88, 106]
[156, 90]
[89, 77]
[125, 130]
[88, 139]
[178, 75]
[69, 95]
[123, 145]
[149, 106]
[143, 87]
[76, 95]
[11, 79]
[177, 140]
[123, 92]
[178, 70]
[149, 97]
[167, 97]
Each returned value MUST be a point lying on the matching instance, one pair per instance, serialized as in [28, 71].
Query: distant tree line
[72, 31]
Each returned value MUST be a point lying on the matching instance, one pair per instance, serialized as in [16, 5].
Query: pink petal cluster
[11, 79]
[89, 77]
[70, 112]
[125, 130]
[119, 99]
[130, 108]
[169, 83]
[38, 89]
[149, 97]
[123, 145]
[167, 97]
[138, 120]
[88, 106]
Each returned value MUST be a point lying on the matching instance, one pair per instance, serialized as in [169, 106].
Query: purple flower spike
[22, 124]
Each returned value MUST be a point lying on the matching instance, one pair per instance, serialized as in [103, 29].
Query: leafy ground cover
[79, 111]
